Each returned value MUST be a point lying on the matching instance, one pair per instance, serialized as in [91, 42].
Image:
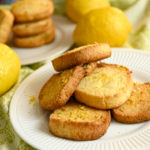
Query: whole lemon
[9, 68]
[76, 9]
[105, 25]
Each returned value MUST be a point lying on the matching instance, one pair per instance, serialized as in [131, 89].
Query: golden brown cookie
[137, 107]
[60, 87]
[35, 40]
[6, 23]
[32, 10]
[78, 122]
[89, 68]
[81, 55]
[108, 86]
[32, 28]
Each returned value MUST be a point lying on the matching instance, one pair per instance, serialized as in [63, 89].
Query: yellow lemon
[9, 68]
[76, 9]
[105, 25]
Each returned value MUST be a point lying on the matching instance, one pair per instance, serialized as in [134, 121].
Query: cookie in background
[33, 25]
[32, 10]
[6, 23]
[32, 28]
[37, 39]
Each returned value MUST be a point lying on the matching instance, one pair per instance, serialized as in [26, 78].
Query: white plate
[31, 122]
[63, 40]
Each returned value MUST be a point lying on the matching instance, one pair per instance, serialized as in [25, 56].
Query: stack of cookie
[33, 27]
[74, 120]
[85, 91]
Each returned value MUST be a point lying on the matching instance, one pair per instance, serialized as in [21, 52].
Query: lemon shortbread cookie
[89, 68]
[32, 10]
[60, 87]
[35, 40]
[6, 23]
[32, 28]
[108, 86]
[78, 122]
[137, 108]
[81, 55]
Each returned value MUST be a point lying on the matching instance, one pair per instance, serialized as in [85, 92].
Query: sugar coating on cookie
[60, 87]
[137, 107]
[78, 122]
[90, 67]
[108, 86]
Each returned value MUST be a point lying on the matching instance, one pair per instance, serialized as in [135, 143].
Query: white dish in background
[63, 41]
[31, 122]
